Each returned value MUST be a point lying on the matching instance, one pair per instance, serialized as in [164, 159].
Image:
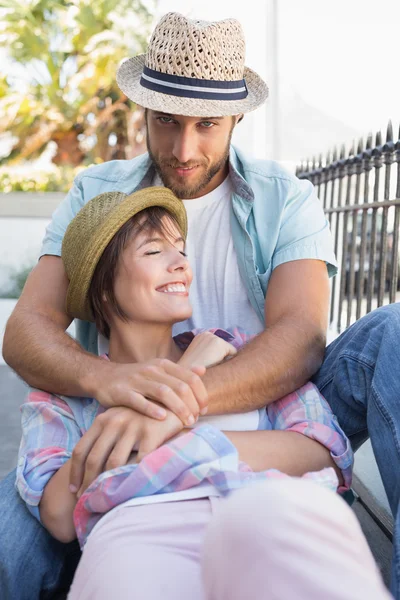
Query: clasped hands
[146, 405]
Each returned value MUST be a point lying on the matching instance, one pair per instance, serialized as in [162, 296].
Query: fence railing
[362, 205]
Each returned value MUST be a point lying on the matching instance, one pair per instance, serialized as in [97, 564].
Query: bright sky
[340, 56]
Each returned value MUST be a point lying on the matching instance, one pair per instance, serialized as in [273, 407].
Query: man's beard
[183, 190]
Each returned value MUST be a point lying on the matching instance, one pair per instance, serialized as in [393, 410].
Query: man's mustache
[175, 165]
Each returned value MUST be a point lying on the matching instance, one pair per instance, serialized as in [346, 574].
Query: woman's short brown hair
[101, 292]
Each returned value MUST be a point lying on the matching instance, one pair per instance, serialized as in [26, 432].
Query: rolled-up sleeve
[307, 412]
[49, 434]
[61, 218]
[304, 230]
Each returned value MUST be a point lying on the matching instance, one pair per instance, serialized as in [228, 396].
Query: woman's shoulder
[80, 410]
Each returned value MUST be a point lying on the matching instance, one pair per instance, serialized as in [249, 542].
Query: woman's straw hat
[89, 233]
[193, 68]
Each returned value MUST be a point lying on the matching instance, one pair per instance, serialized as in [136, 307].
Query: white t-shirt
[217, 294]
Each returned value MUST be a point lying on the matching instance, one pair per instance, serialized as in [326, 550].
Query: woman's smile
[175, 288]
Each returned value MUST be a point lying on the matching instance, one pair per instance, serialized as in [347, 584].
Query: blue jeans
[360, 378]
[33, 564]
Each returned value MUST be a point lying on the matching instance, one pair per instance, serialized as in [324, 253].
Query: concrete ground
[12, 393]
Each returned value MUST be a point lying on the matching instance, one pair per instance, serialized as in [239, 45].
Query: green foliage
[59, 179]
[63, 87]
[16, 283]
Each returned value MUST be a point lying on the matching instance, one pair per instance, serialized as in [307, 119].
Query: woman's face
[153, 277]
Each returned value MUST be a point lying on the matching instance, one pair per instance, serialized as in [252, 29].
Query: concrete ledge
[368, 486]
[29, 204]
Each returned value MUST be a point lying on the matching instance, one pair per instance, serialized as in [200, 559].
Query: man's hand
[206, 349]
[110, 440]
[175, 387]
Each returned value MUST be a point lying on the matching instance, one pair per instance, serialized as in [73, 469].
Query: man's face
[189, 153]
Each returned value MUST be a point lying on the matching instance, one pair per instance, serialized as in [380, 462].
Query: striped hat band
[190, 87]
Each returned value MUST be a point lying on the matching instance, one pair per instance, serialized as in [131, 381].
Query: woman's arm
[57, 506]
[306, 413]
[287, 451]
[49, 434]
[292, 453]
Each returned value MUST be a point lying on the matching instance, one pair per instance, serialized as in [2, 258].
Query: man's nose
[184, 148]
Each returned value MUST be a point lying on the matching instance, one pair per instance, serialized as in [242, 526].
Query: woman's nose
[180, 263]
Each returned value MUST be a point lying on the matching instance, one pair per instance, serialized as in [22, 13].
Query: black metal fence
[362, 204]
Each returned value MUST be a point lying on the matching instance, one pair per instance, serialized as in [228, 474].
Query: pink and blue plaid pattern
[52, 426]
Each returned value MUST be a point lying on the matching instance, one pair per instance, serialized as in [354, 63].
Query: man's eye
[165, 119]
[207, 124]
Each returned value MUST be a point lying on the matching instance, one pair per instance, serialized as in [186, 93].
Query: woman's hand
[207, 350]
[110, 440]
[152, 388]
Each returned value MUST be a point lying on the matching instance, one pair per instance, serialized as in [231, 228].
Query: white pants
[280, 540]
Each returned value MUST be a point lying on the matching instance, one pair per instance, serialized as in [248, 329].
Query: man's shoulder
[116, 170]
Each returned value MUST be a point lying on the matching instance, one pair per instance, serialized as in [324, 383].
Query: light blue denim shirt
[275, 218]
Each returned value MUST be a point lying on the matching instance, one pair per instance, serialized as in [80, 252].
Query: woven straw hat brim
[77, 302]
[128, 79]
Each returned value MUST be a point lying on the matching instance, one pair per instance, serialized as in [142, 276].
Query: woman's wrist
[185, 362]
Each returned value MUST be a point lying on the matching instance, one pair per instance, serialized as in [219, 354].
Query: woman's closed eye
[150, 252]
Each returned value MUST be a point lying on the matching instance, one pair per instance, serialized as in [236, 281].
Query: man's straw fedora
[89, 233]
[193, 68]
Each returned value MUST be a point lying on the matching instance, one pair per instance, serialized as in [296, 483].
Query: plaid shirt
[51, 427]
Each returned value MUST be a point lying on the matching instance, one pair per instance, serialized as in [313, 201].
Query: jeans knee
[387, 316]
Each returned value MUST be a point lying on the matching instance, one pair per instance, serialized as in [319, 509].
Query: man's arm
[38, 348]
[290, 350]
[36, 329]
